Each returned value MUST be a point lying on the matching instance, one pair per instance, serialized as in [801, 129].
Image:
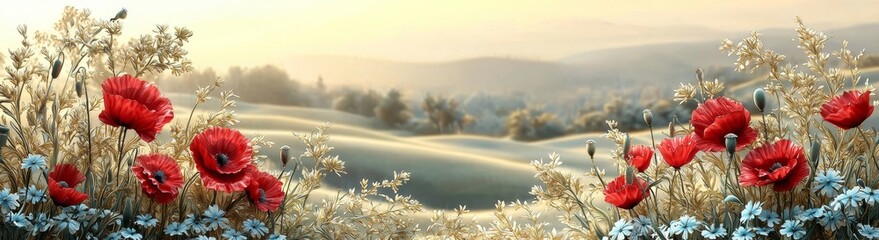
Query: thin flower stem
[183, 194]
[653, 141]
[233, 202]
[683, 189]
[122, 133]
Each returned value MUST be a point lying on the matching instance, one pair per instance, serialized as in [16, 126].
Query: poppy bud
[648, 117]
[122, 14]
[700, 75]
[671, 129]
[626, 145]
[731, 143]
[814, 151]
[79, 88]
[285, 155]
[4, 135]
[590, 148]
[760, 99]
[56, 69]
[127, 213]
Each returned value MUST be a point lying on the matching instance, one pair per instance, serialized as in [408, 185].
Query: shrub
[392, 111]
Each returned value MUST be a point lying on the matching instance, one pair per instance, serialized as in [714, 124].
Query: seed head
[760, 99]
[731, 143]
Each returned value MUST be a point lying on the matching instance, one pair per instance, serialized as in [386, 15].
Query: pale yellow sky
[257, 32]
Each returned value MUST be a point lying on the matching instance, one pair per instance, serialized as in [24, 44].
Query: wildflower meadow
[92, 149]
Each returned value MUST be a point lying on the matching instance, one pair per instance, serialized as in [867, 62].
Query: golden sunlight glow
[270, 32]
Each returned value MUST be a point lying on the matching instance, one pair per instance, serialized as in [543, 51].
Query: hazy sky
[256, 32]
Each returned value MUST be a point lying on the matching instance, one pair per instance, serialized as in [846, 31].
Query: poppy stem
[653, 141]
[183, 194]
[232, 203]
[122, 133]
[765, 127]
[683, 189]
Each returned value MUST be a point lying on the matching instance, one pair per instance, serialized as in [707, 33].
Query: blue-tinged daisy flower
[742, 233]
[146, 220]
[77, 211]
[763, 231]
[203, 237]
[42, 223]
[850, 198]
[214, 218]
[643, 225]
[35, 195]
[130, 233]
[770, 218]
[828, 182]
[8, 201]
[256, 228]
[714, 232]
[868, 231]
[232, 234]
[684, 226]
[175, 229]
[193, 222]
[871, 196]
[812, 213]
[277, 237]
[19, 220]
[793, 229]
[114, 236]
[832, 220]
[33, 162]
[664, 230]
[792, 212]
[65, 221]
[621, 229]
[751, 211]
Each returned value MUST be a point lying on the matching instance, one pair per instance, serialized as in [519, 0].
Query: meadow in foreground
[82, 165]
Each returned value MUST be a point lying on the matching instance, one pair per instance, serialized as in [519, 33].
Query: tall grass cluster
[92, 150]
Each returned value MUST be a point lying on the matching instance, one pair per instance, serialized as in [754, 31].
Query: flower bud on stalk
[56, 69]
[731, 143]
[285, 155]
[4, 135]
[700, 75]
[814, 151]
[760, 99]
[79, 89]
[590, 148]
[671, 129]
[648, 117]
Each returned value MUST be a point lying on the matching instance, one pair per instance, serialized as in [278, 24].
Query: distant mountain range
[608, 69]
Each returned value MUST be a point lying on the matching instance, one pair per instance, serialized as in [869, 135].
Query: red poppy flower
[626, 196]
[716, 118]
[639, 157]
[782, 164]
[848, 110]
[62, 180]
[678, 151]
[264, 192]
[159, 177]
[223, 157]
[135, 104]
